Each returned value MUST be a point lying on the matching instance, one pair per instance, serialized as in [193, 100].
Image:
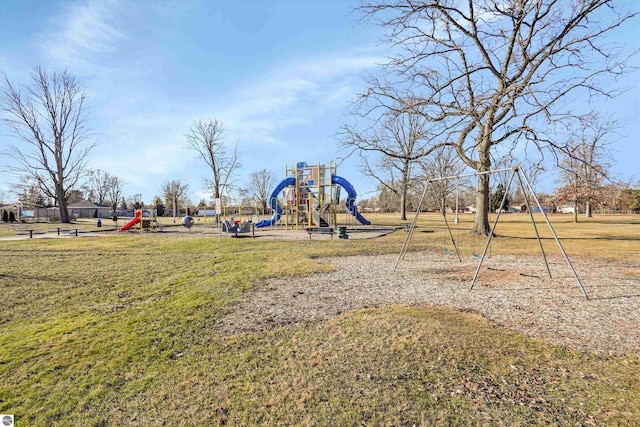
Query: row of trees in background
[616, 198]
[48, 118]
[583, 164]
[485, 78]
[468, 84]
[408, 160]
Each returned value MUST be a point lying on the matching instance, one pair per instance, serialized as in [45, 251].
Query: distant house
[567, 209]
[206, 212]
[40, 213]
[535, 209]
[88, 209]
[16, 208]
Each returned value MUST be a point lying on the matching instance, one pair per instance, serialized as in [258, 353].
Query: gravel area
[515, 292]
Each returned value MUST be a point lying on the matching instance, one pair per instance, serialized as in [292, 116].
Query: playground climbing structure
[310, 195]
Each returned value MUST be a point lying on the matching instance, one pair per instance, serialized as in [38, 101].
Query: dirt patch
[514, 291]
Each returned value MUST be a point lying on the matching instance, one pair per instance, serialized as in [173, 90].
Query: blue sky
[279, 74]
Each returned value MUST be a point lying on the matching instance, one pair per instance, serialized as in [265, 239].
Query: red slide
[136, 219]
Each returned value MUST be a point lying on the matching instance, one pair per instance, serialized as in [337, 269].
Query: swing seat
[448, 251]
[476, 256]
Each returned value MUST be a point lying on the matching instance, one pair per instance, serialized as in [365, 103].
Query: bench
[60, 230]
[319, 230]
[29, 231]
[70, 231]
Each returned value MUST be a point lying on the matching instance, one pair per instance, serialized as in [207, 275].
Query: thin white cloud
[83, 32]
[294, 94]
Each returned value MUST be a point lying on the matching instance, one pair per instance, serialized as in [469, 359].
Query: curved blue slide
[273, 202]
[352, 207]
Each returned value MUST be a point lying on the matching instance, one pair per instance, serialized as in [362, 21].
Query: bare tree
[487, 73]
[583, 166]
[98, 185]
[136, 201]
[49, 118]
[115, 191]
[261, 183]
[29, 192]
[175, 193]
[388, 145]
[443, 162]
[207, 138]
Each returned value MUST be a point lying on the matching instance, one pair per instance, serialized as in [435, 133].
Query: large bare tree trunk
[62, 204]
[404, 189]
[481, 223]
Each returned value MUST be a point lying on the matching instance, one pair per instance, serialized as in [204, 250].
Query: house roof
[86, 204]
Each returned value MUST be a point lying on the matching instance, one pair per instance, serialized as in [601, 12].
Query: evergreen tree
[5, 216]
[12, 217]
[496, 199]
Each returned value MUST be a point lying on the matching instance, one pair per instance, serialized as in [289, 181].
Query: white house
[567, 209]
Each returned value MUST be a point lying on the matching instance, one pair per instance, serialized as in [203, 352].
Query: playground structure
[149, 222]
[310, 198]
[527, 190]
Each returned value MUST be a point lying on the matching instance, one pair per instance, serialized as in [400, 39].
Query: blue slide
[352, 207]
[273, 202]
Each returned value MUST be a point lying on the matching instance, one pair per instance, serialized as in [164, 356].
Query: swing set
[516, 171]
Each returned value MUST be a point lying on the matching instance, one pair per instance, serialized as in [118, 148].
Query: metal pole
[555, 236]
[411, 227]
[495, 223]
[444, 216]
[470, 174]
[533, 221]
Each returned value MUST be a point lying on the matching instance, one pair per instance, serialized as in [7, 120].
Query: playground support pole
[493, 229]
[533, 221]
[444, 216]
[412, 227]
[424, 193]
[555, 236]
[530, 187]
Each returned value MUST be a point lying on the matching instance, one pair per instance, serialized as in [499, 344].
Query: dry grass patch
[125, 330]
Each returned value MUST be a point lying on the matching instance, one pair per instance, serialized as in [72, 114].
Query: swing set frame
[516, 171]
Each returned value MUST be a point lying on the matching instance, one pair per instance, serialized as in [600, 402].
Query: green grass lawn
[122, 331]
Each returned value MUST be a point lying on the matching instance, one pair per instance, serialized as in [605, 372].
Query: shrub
[12, 217]
[5, 216]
